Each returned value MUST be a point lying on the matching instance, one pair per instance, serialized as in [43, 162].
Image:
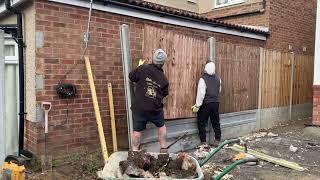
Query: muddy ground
[307, 140]
[277, 144]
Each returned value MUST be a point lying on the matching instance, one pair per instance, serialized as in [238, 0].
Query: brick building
[291, 23]
[53, 32]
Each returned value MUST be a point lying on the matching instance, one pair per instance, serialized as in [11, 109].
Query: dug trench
[141, 164]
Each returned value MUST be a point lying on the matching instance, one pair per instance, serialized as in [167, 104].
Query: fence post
[127, 65]
[212, 49]
[261, 65]
[212, 58]
[291, 84]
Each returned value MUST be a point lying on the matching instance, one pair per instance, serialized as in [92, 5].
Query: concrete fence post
[261, 74]
[212, 58]
[127, 65]
[292, 56]
[212, 49]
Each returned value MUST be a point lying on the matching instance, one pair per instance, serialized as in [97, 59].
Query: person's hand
[141, 62]
[195, 109]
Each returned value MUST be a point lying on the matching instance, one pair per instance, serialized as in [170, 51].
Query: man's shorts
[140, 120]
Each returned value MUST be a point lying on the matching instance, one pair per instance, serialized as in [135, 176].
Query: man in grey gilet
[207, 103]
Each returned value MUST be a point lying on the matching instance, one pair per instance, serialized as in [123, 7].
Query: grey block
[39, 82]
[39, 39]
[39, 113]
[233, 125]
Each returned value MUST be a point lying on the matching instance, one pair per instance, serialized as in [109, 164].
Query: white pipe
[316, 79]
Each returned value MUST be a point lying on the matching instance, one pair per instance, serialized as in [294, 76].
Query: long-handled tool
[178, 139]
[47, 162]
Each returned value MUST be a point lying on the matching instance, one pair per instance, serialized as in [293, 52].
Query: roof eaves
[173, 12]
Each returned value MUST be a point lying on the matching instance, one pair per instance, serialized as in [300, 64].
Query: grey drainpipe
[21, 78]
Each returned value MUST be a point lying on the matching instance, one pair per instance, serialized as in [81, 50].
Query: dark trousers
[209, 110]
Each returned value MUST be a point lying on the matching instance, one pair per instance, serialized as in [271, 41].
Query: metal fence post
[127, 65]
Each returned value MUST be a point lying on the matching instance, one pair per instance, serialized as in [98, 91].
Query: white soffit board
[168, 20]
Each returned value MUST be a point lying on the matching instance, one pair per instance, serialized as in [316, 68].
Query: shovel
[46, 161]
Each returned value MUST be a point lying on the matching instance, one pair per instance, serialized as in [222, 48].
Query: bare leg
[163, 136]
[136, 140]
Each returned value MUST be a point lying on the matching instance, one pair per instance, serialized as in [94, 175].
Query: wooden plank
[279, 76]
[273, 77]
[268, 84]
[96, 109]
[291, 56]
[268, 158]
[113, 122]
[281, 82]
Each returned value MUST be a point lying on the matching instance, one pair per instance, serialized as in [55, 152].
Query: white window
[10, 51]
[222, 3]
[11, 92]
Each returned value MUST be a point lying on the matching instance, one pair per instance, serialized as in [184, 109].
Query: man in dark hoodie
[151, 87]
[207, 103]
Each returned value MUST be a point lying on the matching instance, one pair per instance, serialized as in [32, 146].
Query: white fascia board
[2, 8]
[14, 3]
[168, 20]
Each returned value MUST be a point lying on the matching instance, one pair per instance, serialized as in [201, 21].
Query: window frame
[227, 4]
[193, 1]
[11, 59]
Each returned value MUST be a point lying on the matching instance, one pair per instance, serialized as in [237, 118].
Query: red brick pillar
[316, 105]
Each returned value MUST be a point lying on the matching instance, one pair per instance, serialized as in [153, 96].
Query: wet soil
[138, 163]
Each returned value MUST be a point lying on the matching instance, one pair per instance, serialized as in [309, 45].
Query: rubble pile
[141, 164]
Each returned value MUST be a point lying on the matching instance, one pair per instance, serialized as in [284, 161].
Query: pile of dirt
[141, 164]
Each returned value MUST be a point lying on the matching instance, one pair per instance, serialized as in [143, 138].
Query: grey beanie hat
[159, 57]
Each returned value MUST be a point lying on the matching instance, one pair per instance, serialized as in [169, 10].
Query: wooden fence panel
[303, 77]
[238, 67]
[186, 59]
[276, 85]
[276, 79]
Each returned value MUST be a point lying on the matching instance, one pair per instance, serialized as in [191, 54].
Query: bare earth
[307, 140]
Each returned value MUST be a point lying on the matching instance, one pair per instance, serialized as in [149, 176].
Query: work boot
[216, 143]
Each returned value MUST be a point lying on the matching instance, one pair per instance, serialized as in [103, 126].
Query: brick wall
[316, 105]
[290, 22]
[72, 122]
[250, 13]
